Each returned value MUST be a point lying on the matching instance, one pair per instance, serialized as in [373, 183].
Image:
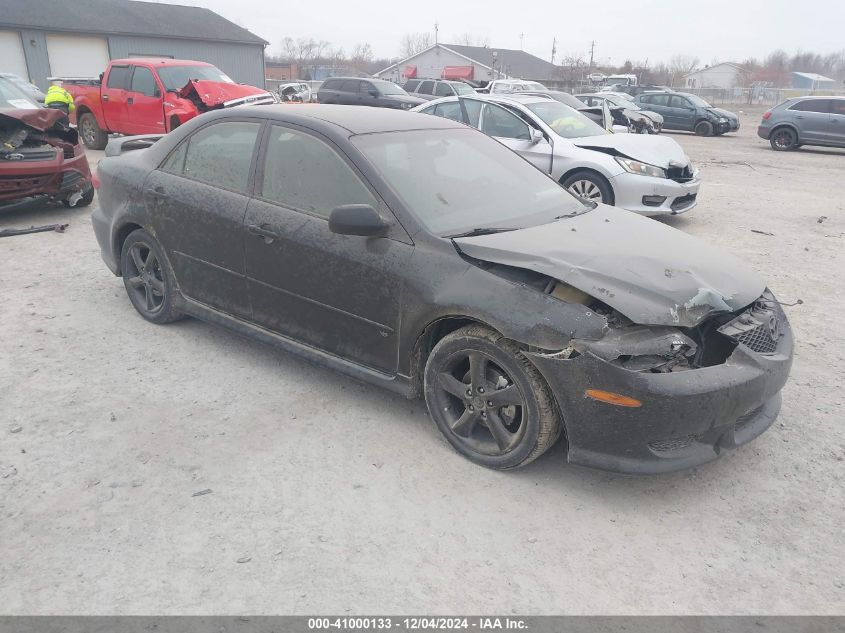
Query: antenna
[554, 49]
[522, 41]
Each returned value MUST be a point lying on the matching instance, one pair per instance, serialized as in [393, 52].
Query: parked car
[416, 253]
[428, 89]
[689, 112]
[294, 92]
[507, 86]
[634, 90]
[40, 154]
[377, 93]
[638, 120]
[805, 121]
[650, 175]
[30, 89]
[152, 95]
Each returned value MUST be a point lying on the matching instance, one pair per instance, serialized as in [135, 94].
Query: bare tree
[469, 39]
[303, 52]
[362, 58]
[683, 64]
[573, 66]
[413, 43]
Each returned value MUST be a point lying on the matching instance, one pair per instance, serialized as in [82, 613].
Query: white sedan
[649, 175]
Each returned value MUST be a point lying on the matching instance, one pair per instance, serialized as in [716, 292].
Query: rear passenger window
[426, 88]
[331, 84]
[444, 90]
[302, 172]
[449, 111]
[220, 155]
[813, 105]
[680, 102]
[837, 106]
[118, 77]
[659, 100]
[350, 85]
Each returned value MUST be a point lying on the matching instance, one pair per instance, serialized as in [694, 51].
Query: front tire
[488, 400]
[783, 139]
[92, 135]
[147, 277]
[704, 128]
[590, 186]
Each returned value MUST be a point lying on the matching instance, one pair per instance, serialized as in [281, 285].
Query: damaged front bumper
[686, 418]
[647, 195]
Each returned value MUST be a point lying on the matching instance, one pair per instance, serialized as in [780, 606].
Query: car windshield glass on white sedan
[565, 121]
[459, 180]
[175, 77]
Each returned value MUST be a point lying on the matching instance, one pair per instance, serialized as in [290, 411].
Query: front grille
[68, 153]
[23, 183]
[758, 327]
[24, 154]
[683, 201]
[673, 443]
[759, 339]
[70, 179]
[680, 174]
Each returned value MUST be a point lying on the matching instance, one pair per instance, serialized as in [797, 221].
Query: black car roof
[355, 119]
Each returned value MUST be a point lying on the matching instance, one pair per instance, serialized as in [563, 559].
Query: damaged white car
[650, 175]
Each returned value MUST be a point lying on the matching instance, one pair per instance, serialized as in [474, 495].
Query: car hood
[41, 119]
[655, 150]
[41, 125]
[725, 113]
[217, 93]
[652, 273]
[654, 116]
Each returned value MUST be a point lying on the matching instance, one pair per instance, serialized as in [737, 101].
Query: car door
[681, 112]
[113, 96]
[197, 200]
[338, 293]
[659, 103]
[426, 90]
[511, 130]
[812, 118]
[837, 122]
[144, 104]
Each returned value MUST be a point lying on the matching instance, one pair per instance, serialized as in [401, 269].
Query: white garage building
[45, 38]
[724, 75]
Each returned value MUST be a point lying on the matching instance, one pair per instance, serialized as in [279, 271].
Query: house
[46, 38]
[724, 75]
[813, 81]
[475, 63]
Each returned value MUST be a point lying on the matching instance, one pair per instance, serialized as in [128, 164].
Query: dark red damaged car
[40, 154]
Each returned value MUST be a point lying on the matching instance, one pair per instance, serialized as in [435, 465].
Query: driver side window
[499, 122]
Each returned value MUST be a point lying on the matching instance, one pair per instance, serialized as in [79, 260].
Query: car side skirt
[397, 383]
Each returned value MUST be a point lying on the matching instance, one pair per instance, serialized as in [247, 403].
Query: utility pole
[522, 41]
[554, 49]
[436, 32]
[592, 49]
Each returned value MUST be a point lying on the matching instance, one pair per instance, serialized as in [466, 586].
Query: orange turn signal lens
[612, 398]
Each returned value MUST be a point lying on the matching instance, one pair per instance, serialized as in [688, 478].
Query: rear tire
[147, 277]
[783, 139]
[704, 128]
[92, 135]
[589, 185]
[488, 400]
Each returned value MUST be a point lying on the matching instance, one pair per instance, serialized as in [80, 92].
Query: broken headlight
[641, 169]
[644, 349]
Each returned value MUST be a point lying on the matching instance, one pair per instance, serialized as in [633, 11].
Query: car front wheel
[147, 278]
[92, 135]
[488, 400]
[589, 186]
[704, 128]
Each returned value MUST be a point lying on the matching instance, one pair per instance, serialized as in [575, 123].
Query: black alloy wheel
[147, 278]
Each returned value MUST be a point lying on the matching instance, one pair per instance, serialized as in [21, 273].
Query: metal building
[50, 38]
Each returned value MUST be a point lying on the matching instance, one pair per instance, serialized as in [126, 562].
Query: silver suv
[804, 121]
[429, 89]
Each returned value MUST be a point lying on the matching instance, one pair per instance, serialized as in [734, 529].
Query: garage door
[77, 56]
[11, 54]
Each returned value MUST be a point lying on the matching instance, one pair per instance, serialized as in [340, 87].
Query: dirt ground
[332, 496]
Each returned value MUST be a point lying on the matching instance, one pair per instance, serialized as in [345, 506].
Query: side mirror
[620, 129]
[536, 135]
[357, 219]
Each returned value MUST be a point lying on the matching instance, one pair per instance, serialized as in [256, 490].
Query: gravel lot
[332, 496]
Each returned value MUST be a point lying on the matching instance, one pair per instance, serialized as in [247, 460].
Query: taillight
[95, 180]
[766, 115]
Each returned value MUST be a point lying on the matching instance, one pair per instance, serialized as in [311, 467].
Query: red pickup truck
[152, 96]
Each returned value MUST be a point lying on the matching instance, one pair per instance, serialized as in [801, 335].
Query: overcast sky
[727, 30]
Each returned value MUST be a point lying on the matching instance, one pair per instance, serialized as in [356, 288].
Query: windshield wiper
[480, 231]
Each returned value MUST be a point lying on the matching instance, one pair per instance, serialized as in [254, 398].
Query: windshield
[176, 77]
[457, 180]
[698, 101]
[567, 99]
[565, 121]
[534, 85]
[463, 89]
[13, 97]
[389, 88]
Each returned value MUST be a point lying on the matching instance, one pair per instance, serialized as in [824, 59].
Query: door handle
[799, 116]
[263, 231]
[105, 97]
[130, 101]
[156, 192]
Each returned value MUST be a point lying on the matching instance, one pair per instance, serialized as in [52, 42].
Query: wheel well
[788, 126]
[576, 170]
[174, 122]
[122, 234]
[431, 335]
[80, 111]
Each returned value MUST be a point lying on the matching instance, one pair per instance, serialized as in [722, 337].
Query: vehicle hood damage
[27, 134]
[660, 151]
[213, 95]
[649, 272]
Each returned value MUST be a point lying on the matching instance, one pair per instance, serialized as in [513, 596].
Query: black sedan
[419, 254]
